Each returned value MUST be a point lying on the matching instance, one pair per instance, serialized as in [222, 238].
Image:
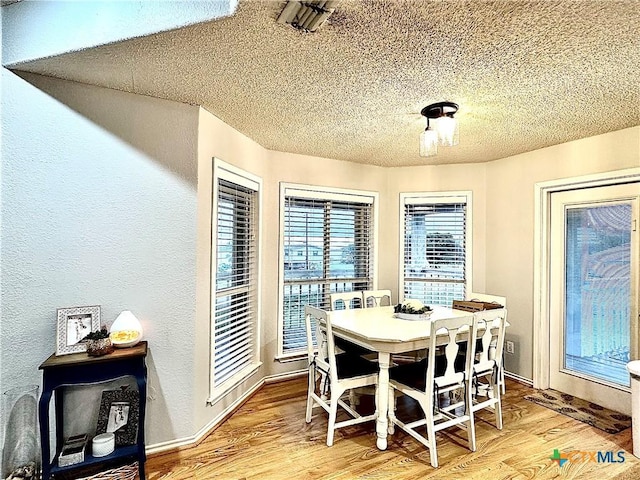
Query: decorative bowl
[413, 316]
[99, 347]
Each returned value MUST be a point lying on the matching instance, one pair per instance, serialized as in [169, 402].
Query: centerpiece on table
[412, 310]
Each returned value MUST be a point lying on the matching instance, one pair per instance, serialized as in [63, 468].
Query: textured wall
[88, 218]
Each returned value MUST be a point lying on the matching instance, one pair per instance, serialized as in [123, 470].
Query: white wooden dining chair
[485, 297]
[426, 381]
[376, 298]
[347, 301]
[341, 372]
[486, 389]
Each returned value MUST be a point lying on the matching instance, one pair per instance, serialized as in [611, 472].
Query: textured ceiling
[526, 74]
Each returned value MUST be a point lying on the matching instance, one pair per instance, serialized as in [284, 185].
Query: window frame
[227, 172]
[436, 198]
[315, 192]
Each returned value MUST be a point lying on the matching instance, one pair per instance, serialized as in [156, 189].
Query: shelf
[81, 369]
[119, 452]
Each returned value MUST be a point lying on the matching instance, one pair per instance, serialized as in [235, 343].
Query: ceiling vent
[307, 15]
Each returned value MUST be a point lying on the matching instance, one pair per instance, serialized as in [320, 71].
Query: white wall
[510, 221]
[90, 218]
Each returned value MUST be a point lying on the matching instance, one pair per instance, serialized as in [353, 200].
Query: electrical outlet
[511, 347]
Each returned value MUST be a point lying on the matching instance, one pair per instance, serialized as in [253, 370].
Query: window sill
[291, 357]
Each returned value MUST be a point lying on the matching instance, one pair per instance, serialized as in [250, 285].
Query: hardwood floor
[267, 438]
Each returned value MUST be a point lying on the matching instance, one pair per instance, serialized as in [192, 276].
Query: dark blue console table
[80, 368]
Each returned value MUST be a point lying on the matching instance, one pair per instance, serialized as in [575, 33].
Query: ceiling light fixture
[307, 16]
[445, 128]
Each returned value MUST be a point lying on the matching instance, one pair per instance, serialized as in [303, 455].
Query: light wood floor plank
[268, 438]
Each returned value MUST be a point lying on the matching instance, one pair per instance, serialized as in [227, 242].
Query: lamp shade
[126, 330]
[448, 132]
[428, 143]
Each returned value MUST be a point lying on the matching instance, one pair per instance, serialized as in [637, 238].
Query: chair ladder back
[309, 314]
[347, 300]
[326, 350]
[492, 325]
[445, 333]
[376, 298]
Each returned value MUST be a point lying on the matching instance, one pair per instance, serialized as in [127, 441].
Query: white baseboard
[518, 378]
[204, 431]
[281, 377]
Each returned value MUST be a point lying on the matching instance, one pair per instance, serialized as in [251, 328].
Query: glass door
[594, 293]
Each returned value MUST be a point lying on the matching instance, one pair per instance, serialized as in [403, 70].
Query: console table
[80, 368]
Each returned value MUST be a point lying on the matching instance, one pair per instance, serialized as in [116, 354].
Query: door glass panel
[598, 291]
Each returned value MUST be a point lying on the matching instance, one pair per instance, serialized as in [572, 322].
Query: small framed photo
[74, 324]
[118, 414]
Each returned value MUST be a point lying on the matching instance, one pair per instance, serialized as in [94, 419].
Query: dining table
[381, 330]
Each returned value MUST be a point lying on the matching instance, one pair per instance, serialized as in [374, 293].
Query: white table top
[378, 328]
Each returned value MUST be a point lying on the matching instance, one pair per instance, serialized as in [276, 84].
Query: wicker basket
[124, 472]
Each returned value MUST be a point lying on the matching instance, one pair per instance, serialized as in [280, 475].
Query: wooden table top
[82, 358]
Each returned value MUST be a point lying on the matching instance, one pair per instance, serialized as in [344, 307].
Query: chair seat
[414, 375]
[350, 366]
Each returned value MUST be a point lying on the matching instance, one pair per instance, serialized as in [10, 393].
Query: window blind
[328, 247]
[435, 251]
[235, 281]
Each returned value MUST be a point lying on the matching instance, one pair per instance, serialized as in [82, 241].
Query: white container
[103, 444]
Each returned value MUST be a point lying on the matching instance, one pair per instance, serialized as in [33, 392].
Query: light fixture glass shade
[448, 132]
[428, 143]
[126, 330]
[445, 125]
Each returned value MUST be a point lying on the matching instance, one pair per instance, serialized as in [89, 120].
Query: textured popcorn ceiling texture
[526, 74]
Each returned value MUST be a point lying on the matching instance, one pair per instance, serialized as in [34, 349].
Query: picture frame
[73, 325]
[118, 414]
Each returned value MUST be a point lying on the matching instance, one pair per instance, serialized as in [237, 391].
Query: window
[234, 283]
[436, 246]
[326, 245]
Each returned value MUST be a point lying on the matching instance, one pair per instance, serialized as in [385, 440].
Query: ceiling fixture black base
[440, 109]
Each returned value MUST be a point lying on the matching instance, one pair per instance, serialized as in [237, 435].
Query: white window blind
[435, 249]
[327, 246]
[235, 281]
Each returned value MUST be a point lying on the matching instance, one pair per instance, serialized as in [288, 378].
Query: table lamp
[126, 330]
